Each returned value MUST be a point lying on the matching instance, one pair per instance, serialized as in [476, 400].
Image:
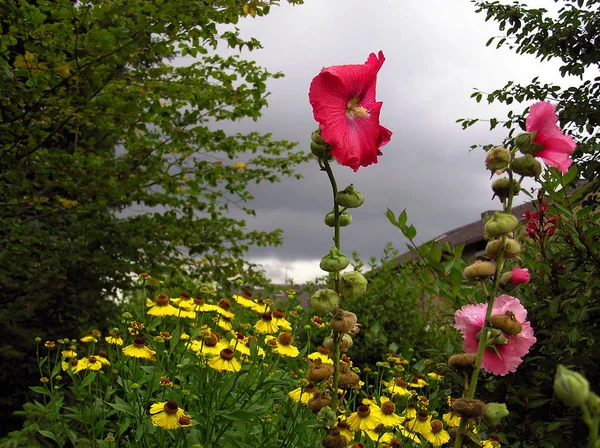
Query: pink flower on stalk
[557, 147]
[519, 276]
[504, 358]
[344, 105]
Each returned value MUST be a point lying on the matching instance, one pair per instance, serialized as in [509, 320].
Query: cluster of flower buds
[539, 226]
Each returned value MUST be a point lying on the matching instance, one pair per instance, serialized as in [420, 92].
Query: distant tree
[573, 37]
[112, 161]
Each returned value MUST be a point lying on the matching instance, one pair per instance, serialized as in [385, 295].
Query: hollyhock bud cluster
[539, 226]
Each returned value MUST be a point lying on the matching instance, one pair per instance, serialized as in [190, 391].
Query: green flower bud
[505, 284]
[345, 219]
[497, 159]
[321, 151]
[325, 301]
[494, 412]
[501, 188]
[512, 248]
[480, 270]
[500, 224]
[571, 387]
[526, 166]
[326, 417]
[349, 197]
[524, 141]
[316, 137]
[334, 261]
[593, 403]
[352, 285]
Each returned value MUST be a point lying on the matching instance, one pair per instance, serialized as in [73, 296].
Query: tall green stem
[336, 280]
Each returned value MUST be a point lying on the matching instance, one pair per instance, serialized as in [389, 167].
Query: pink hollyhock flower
[344, 105]
[519, 276]
[556, 146]
[505, 357]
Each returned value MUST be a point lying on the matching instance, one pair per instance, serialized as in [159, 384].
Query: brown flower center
[92, 359]
[139, 342]
[278, 314]
[165, 334]
[185, 420]
[211, 341]
[103, 354]
[309, 388]
[267, 317]
[171, 407]
[162, 301]
[401, 383]
[285, 338]
[184, 296]
[436, 426]
[422, 416]
[224, 304]
[199, 300]
[227, 354]
[323, 350]
[363, 411]
[272, 342]
[388, 408]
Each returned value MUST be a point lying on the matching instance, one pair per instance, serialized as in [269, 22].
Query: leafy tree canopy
[112, 160]
[573, 37]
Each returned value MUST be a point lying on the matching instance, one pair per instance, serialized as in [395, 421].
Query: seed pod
[462, 362]
[480, 270]
[334, 439]
[318, 371]
[318, 401]
[468, 408]
[506, 322]
[343, 321]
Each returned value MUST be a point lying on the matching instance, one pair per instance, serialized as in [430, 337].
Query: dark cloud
[435, 55]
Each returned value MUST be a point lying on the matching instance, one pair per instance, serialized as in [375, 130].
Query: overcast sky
[435, 55]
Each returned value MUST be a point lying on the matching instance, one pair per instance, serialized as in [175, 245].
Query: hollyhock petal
[344, 105]
[469, 320]
[557, 147]
[519, 276]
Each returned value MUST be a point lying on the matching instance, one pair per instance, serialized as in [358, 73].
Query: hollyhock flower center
[353, 110]
[171, 407]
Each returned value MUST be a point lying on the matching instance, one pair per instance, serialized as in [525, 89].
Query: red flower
[344, 105]
[556, 146]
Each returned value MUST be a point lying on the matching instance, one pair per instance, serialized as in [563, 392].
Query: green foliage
[564, 308]
[112, 159]
[572, 37]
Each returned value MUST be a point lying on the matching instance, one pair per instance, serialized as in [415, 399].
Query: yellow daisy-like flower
[68, 354]
[139, 349]
[438, 435]
[136, 328]
[280, 321]
[492, 442]
[242, 345]
[224, 322]
[345, 430]
[114, 339]
[363, 420]
[410, 435]
[398, 387]
[421, 424]
[417, 382]
[303, 394]
[261, 307]
[422, 402]
[70, 365]
[241, 166]
[166, 415]
[91, 363]
[410, 412]
[435, 375]
[186, 308]
[210, 346]
[161, 307]
[225, 362]
[200, 305]
[388, 413]
[266, 325]
[322, 353]
[223, 308]
[379, 434]
[244, 301]
[316, 320]
[283, 345]
[451, 419]
[88, 338]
